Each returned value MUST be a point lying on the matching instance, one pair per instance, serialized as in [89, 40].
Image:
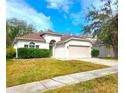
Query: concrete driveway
[100, 61]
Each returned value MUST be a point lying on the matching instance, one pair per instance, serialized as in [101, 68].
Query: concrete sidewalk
[60, 81]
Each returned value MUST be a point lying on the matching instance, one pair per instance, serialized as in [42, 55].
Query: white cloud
[19, 9]
[63, 5]
[77, 18]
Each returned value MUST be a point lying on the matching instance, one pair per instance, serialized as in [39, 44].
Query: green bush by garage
[95, 52]
[10, 53]
[33, 53]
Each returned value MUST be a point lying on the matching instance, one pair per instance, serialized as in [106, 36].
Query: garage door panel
[79, 51]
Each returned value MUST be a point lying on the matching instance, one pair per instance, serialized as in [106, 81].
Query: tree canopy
[103, 23]
[16, 28]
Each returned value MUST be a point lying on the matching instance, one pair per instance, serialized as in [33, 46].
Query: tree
[16, 28]
[103, 22]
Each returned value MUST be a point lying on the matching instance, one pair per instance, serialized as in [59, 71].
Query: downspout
[16, 52]
[67, 51]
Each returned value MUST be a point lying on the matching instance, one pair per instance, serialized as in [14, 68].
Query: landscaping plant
[33, 53]
[10, 53]
[95, 52]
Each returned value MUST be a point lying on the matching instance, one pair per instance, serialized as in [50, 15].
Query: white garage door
[79, 51]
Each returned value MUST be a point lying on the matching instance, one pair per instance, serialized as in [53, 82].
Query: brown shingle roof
[33, 36]
[39, 36]
[67, 37]
[63, 38]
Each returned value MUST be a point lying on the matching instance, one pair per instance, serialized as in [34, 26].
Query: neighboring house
[67, 47]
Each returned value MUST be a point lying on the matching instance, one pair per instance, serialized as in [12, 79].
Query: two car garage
[73, 49]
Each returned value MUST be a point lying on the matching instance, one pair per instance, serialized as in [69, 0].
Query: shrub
[33, 53]
[95, 52]
[10, 53]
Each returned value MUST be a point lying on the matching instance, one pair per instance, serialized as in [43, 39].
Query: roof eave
[77, 39]
[29, 39]
[63, 42]
[52, 34]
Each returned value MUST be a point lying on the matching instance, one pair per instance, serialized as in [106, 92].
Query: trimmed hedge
[10, 53]
[95, 52]
[33, 53]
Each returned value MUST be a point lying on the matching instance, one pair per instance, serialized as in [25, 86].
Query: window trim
[32, 45]
[25, 45]
[37, 46]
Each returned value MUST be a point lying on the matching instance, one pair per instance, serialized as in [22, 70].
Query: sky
[63, 16]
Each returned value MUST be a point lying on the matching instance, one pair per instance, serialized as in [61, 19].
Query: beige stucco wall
[59, 51]
[79, 42]
[48, 38]
[21, 43]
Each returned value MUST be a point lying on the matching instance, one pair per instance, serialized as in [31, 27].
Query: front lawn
[106, 84]
[24, 71]
[110, 58]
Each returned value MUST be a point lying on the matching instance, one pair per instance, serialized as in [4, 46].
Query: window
[31, 44]
[37, 46]
[25, 46]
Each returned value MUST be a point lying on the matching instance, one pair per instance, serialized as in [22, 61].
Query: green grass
[9, 61]
[110, 58]
[106, 84]
[25, 71]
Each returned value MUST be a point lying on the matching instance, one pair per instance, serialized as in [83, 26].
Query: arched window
[31, 44]
[52, 42]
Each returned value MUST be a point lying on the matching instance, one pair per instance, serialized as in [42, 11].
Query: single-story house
[63, 46]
